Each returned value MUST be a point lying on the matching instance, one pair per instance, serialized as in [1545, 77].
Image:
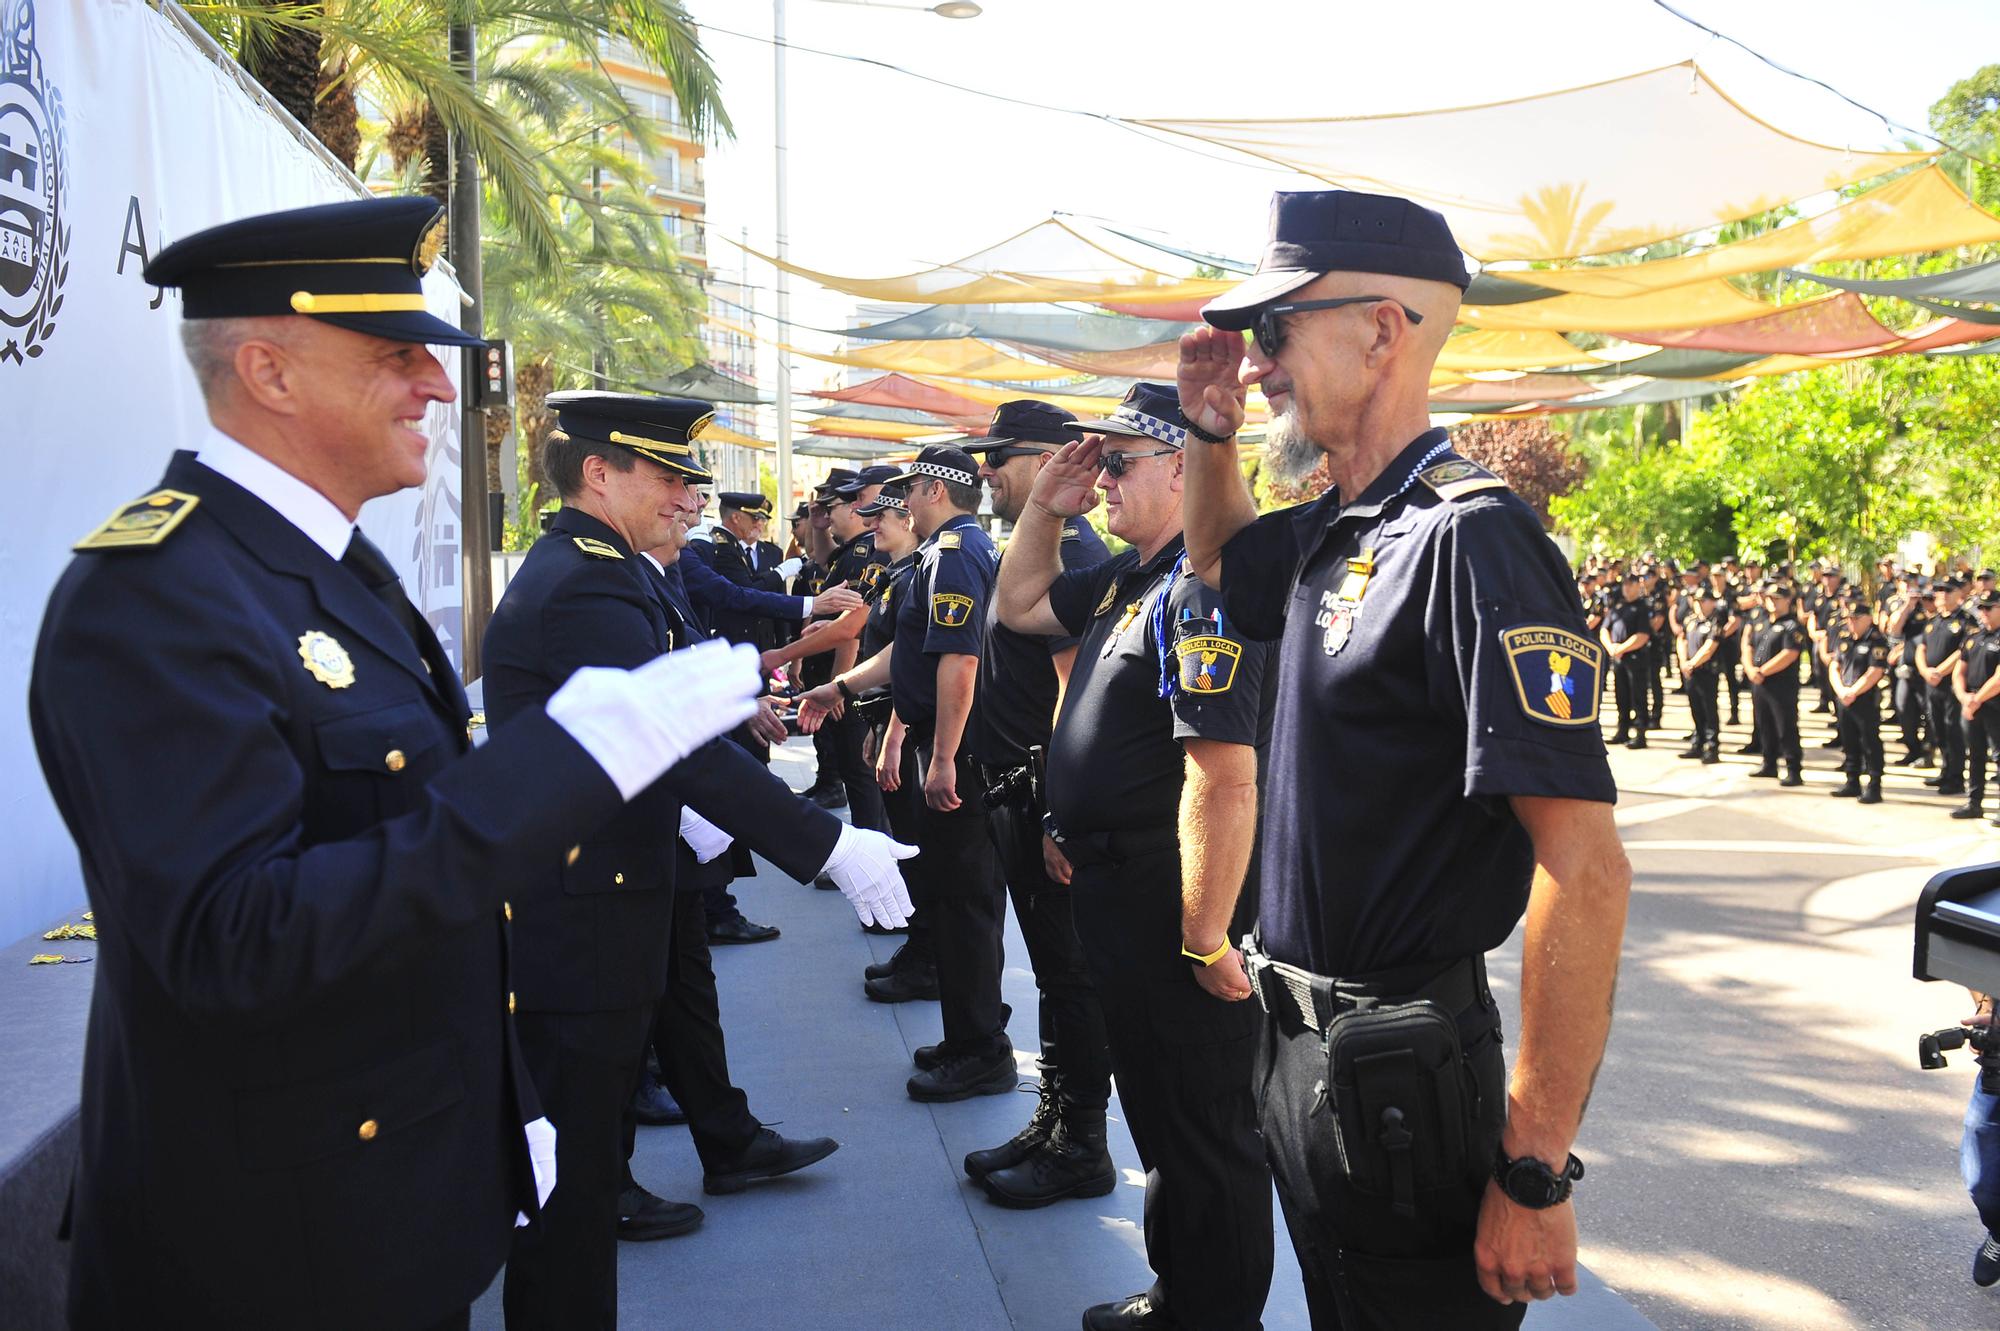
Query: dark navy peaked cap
[746, 501]
[357, 265]
[1026, 421]
[1340, 231]
[659, 429]
[1150, 411]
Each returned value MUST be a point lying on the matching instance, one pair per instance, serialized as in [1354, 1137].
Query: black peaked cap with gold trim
[357, 265]
[659, 429]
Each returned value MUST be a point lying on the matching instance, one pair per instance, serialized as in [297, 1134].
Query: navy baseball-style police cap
[659, 429]
[879, 474]
[1341, 231]
[358, 266]
[836, 478]
[1149, 411]
[940, 462]
[1027, 421]
[889, 499]
[745, 501]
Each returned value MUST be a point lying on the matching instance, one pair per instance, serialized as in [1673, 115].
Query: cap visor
[904, 478]
[404, 326]
[1236, 309]
[1112, 427]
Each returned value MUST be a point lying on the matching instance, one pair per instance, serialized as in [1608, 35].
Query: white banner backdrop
[118, 134]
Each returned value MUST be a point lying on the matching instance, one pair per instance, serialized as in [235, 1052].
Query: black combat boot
[1872, 795]
[1791, 778]
[1768, 769]
[1968, 810]
[1072, 1163]
[1849, 789]
[1711, 754]
[1024, 1143]
[1693, 750]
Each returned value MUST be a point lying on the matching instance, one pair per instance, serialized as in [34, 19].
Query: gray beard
[1289, 456]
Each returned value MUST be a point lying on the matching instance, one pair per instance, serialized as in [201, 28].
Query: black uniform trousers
[1947, 727]
[967, 902]
[1861, 735]
[688, 1041]
[1702, 683]
[903, 809]
[1982, 737]
[1726, 660]
[845, 747]
[1655, 657]
[1777, 704]
[1908, 705]
[1365, 1267]
[1183, 1060]
[1628, 687]
[585, 1065]
[1072, 1022]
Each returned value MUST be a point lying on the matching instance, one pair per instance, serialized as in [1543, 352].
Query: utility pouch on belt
[1403, 1098]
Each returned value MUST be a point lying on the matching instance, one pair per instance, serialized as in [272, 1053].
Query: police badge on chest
[1338, 609]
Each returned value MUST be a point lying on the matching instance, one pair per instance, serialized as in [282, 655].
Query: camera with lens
[1985, 1046]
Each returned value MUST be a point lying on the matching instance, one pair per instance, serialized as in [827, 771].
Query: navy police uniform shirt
[1628, 620]
[1944, 635]
[1773, 637]
[944, 614]
[1115, 762]
[1855, 657]
[878, 630]
[1017, 680]
[855, 563]
[1982, 657]
[1702, 630]
[1433, 661]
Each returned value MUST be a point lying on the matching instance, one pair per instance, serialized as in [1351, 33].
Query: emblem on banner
[34, 188]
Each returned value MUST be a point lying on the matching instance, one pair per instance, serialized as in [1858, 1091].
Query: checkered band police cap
[941, 463]
[1151, 411]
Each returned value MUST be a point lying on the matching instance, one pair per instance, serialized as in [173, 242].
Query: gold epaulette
[947, 540]
[143, 523]
[595, 548]
[1458, 478]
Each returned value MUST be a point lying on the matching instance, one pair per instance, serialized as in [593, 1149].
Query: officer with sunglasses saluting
[1435, 772]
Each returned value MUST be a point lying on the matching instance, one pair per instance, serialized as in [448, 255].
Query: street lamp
[951, 9]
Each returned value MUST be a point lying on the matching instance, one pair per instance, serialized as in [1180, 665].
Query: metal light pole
[475, 524]
[952, 9]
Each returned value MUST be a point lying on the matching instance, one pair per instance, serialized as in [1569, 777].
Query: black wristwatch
[1531, 1183]
[841, 685]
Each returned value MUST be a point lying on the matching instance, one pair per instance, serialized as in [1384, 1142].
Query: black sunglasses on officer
[1269, 330]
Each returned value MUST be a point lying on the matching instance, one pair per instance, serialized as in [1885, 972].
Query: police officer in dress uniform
[1937, 657]
[1701, 646]
[1907, 619]
[1770, 659]
[1628, 628]
[1729, 659]
[739, 553]
[932, 670]
[1976, 681]
[827, 788]
[1755, 617]
[1859, 659]
[303, 1104]
[592, 959]
[1152, 799]
[1060, 1152]
[1435, 769]
[854, 563]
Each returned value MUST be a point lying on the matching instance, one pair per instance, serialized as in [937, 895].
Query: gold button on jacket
[369, 1127]
[394, 761]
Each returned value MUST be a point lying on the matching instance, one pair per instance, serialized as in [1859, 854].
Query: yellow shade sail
[1695, 305]
[713, 433]
[959, 358]
[859, 428]
[1507, 350]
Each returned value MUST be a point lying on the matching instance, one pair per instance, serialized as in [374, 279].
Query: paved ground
[1764, 1152]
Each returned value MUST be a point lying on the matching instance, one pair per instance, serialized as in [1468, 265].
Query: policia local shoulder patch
[950, 610]
[1208, 663]
[1557, 674]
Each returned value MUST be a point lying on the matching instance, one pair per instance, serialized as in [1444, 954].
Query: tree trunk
[286, 63]
[336, 120]
[437, 158]
[534, 380]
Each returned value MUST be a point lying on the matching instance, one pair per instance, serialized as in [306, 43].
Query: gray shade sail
[709, 385]
[861, 411]
[1670, 363]
[1038, 325]
[1981, 283]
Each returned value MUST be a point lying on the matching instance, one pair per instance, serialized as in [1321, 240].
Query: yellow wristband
[1209, 960]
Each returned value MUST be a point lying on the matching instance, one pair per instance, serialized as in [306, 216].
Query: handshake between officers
[327, 1083]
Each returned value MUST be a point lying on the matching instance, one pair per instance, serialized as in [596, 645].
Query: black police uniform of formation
[856, 563]
[1982, 729]
[302, 1100]
[1943, 639]
[817, 669]
[1432, 663]
[1776, 697]
[963, 893]
[1908, 692]
[1754, 620]
[1158, 662]
[592, 957]
[733, 559]
[1700, 629]
[1628, 618]
[1853, 656]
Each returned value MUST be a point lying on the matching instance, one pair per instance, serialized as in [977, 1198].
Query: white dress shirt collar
[295, 501]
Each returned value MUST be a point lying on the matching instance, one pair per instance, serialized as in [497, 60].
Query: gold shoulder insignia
[1070, 533]
[1458, 478]
[947, 540]
[597, 549]
[720, 537]
[142, 523]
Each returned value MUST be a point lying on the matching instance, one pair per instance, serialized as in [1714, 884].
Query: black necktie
[369, 564]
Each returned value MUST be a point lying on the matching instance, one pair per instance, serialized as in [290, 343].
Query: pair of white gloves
[638, 723]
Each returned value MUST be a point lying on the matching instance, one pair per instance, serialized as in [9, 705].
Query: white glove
[638, 723]
[863, 866]
[542, 1159]
[704, 838]
[790, 568]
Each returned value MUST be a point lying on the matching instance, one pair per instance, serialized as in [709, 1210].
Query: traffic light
[492, 374]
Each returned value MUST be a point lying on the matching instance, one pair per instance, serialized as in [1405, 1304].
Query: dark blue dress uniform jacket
[302, 1103]
[600, 944]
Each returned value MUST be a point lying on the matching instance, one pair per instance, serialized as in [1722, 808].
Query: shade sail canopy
[1040, 325]
[1916, 213]
[1155, 362]
[1676, 363]
[722, 434]
[876, 429]
[1696, 305]
[708, 384]
[960, 358]
[1812, 328]
[1528, 388]
[857, 411]
[1501, 350]
[1588, 170]
[1980, 283]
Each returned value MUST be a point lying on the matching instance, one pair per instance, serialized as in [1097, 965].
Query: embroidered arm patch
[1557, 674]
[950, 610]
[1208, 663]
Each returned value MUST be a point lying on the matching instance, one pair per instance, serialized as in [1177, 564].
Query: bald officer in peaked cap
[593, 954]
[1435, 772]
[303, 1104]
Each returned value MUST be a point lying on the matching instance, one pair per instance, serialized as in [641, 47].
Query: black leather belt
[1089, 849]
[1303, 1001]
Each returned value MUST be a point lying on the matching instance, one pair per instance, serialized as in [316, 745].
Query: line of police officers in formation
[375, 1008]
[1923, 649]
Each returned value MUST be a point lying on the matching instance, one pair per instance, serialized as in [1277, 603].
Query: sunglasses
[1270, 331]
[1008, 452]
[1117, 464]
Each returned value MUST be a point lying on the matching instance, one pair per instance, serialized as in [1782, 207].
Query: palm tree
[395, 53]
